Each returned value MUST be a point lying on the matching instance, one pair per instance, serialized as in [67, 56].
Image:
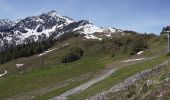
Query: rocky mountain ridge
[49, 25]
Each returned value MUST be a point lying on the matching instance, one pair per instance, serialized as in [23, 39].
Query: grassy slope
[36, 76]
[59, 91]
[158, 47]
[148, 53]
[154, 87]
[117, 77]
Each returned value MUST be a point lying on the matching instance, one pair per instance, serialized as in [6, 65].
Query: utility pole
[42, 57]
[168, 41]
[168, 33]
[12, 48]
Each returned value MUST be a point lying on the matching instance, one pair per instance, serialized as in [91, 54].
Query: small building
[164, 30]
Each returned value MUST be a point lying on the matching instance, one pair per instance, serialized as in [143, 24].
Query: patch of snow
[112, 30]
[140, 52]
[108, 34]
[61, 25]
[39, 19]
[47, 31]
[67, 20]
[34, 32]
[66, 44]
[89, 29]
[4, 73]
[45, 52]
[91, 36]
[167, 79]
[19, 65]
[133, 60]
[109, 30]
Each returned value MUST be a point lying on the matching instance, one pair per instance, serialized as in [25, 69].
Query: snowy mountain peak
[53, 15]
[49, 25]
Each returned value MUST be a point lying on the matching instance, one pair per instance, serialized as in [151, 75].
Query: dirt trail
[85, 85]
[101, 76]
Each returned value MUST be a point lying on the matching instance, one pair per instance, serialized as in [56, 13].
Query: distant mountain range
[5, 23]
[49, 25]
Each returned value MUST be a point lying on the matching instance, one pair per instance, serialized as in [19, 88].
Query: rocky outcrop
[129, 81]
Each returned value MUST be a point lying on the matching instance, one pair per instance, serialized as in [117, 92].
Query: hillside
[45, 76]
[54, 57]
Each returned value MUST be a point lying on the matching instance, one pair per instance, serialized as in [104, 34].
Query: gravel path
[101, 76]
[84, 86]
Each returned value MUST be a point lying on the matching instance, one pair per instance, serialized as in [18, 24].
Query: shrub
[168, 54]
[138, 44]
[129, 44]
[131, 91]
[73, 55]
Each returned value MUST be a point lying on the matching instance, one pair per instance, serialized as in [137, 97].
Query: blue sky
[138, 15]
